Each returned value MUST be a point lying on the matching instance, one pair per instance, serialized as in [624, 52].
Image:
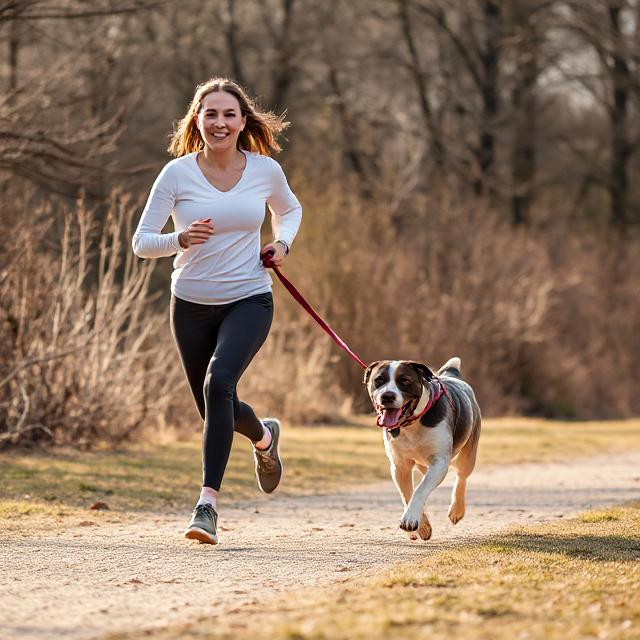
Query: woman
[216, 191]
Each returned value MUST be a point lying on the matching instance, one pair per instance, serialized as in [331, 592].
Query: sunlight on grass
[317, 459]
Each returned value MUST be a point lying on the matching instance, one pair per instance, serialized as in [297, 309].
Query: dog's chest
[418, 443]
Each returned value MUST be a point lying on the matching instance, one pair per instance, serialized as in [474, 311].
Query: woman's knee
[219, 383]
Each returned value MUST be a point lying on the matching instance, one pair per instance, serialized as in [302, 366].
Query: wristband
[285, 245]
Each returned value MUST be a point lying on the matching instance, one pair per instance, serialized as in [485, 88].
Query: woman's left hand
[279, 252]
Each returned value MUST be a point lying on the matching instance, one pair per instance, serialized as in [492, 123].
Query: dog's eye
[404, 380]
[380, 380]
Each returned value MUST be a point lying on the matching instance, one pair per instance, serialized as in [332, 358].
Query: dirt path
[110, 576]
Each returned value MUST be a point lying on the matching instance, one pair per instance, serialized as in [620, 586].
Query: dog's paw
[409, 522]
[456, 512]
[424, 530]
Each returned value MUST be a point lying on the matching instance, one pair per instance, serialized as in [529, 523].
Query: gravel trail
[108, 575]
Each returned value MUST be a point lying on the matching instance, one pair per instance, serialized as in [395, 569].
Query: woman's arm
[148, 240]
[286, 212]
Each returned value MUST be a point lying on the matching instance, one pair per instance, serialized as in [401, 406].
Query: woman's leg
[195, 330]
[241, 333]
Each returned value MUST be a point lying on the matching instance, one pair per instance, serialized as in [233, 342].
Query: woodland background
[466, 170]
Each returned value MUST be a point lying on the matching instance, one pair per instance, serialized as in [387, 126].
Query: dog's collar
[431, 393]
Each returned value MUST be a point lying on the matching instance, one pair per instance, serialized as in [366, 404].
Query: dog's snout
[388, 396]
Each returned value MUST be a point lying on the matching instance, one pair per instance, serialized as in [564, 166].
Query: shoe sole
[195, 533]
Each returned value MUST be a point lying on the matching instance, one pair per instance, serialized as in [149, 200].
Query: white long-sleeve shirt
[227, 266]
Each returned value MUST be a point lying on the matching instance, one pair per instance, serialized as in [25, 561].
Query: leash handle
[267, 261]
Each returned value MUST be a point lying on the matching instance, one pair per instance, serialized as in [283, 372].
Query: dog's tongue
[390, 417]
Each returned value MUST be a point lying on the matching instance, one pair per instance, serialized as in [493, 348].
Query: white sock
[208, 496]
[265, 443]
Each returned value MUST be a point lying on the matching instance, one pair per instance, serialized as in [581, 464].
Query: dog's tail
[451, 367]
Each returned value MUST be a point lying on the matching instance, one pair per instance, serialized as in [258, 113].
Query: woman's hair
[258, 135]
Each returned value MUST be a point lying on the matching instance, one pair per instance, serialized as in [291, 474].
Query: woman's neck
[227, 159]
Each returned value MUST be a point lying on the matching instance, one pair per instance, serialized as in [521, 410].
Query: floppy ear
[369, 369]
[422, 369]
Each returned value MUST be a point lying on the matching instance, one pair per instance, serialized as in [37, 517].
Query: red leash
[268, 263]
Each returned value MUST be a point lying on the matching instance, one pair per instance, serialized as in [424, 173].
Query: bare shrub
[78, 361]
[540, 319]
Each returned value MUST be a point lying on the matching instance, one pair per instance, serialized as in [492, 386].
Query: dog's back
[466, 417]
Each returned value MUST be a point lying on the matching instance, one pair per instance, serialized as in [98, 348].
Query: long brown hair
[258, 135]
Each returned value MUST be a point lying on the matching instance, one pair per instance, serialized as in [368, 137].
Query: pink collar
[435, 389]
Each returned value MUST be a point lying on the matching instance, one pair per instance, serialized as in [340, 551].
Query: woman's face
[220, 121]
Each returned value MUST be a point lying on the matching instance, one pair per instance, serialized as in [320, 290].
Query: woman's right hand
[196, 233]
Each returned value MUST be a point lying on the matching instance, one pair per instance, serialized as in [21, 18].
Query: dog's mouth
[390, 417]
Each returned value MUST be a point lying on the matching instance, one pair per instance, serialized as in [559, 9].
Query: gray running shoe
[268, 463]
[202, 527]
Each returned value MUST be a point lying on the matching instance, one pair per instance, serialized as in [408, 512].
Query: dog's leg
[463, 463]
[424, 529]
[457, 506]
[438, 466]
[401, 475]
[403, 479]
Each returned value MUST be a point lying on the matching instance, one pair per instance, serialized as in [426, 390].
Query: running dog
[429, 421]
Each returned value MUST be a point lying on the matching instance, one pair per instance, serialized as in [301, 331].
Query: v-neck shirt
[246, 162]
[227, 266]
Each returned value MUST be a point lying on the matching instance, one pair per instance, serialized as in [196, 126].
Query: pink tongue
[390, 417]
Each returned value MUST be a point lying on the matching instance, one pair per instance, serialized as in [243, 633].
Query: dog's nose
[388, 396]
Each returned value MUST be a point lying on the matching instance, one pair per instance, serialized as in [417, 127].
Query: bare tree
[421, 80]
[46, 136]
[610, 29]
[525, 34]
[475, 34]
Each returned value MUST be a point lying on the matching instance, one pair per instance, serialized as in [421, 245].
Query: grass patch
[167, 477]
[516, 440]
[574, 579]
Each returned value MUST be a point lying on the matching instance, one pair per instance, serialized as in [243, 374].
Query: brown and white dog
[429, 422]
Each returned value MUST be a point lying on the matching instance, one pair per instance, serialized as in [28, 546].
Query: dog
[430, 421]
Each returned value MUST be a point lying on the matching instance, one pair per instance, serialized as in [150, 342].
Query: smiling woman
[217, 190]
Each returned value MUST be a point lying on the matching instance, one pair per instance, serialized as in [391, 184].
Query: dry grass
[326, 457]
[514, 440]
[575, 579]
[127, 479]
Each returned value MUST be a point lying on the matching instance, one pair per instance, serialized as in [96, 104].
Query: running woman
[217, 190]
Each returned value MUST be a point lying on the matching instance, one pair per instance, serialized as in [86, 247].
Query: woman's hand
[279, 252]
[196, 233]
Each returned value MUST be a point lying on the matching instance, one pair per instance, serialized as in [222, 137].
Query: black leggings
[216, 344]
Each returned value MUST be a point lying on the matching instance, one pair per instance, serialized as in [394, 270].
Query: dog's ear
[368, 370]
[422, 369]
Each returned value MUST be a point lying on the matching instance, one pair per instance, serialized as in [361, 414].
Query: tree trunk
[231, 31]
[490, 96]
[620, 148]
[523, 102]
[437, 148]
[284, 69]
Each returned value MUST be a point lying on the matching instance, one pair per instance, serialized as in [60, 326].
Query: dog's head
[395, 388]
